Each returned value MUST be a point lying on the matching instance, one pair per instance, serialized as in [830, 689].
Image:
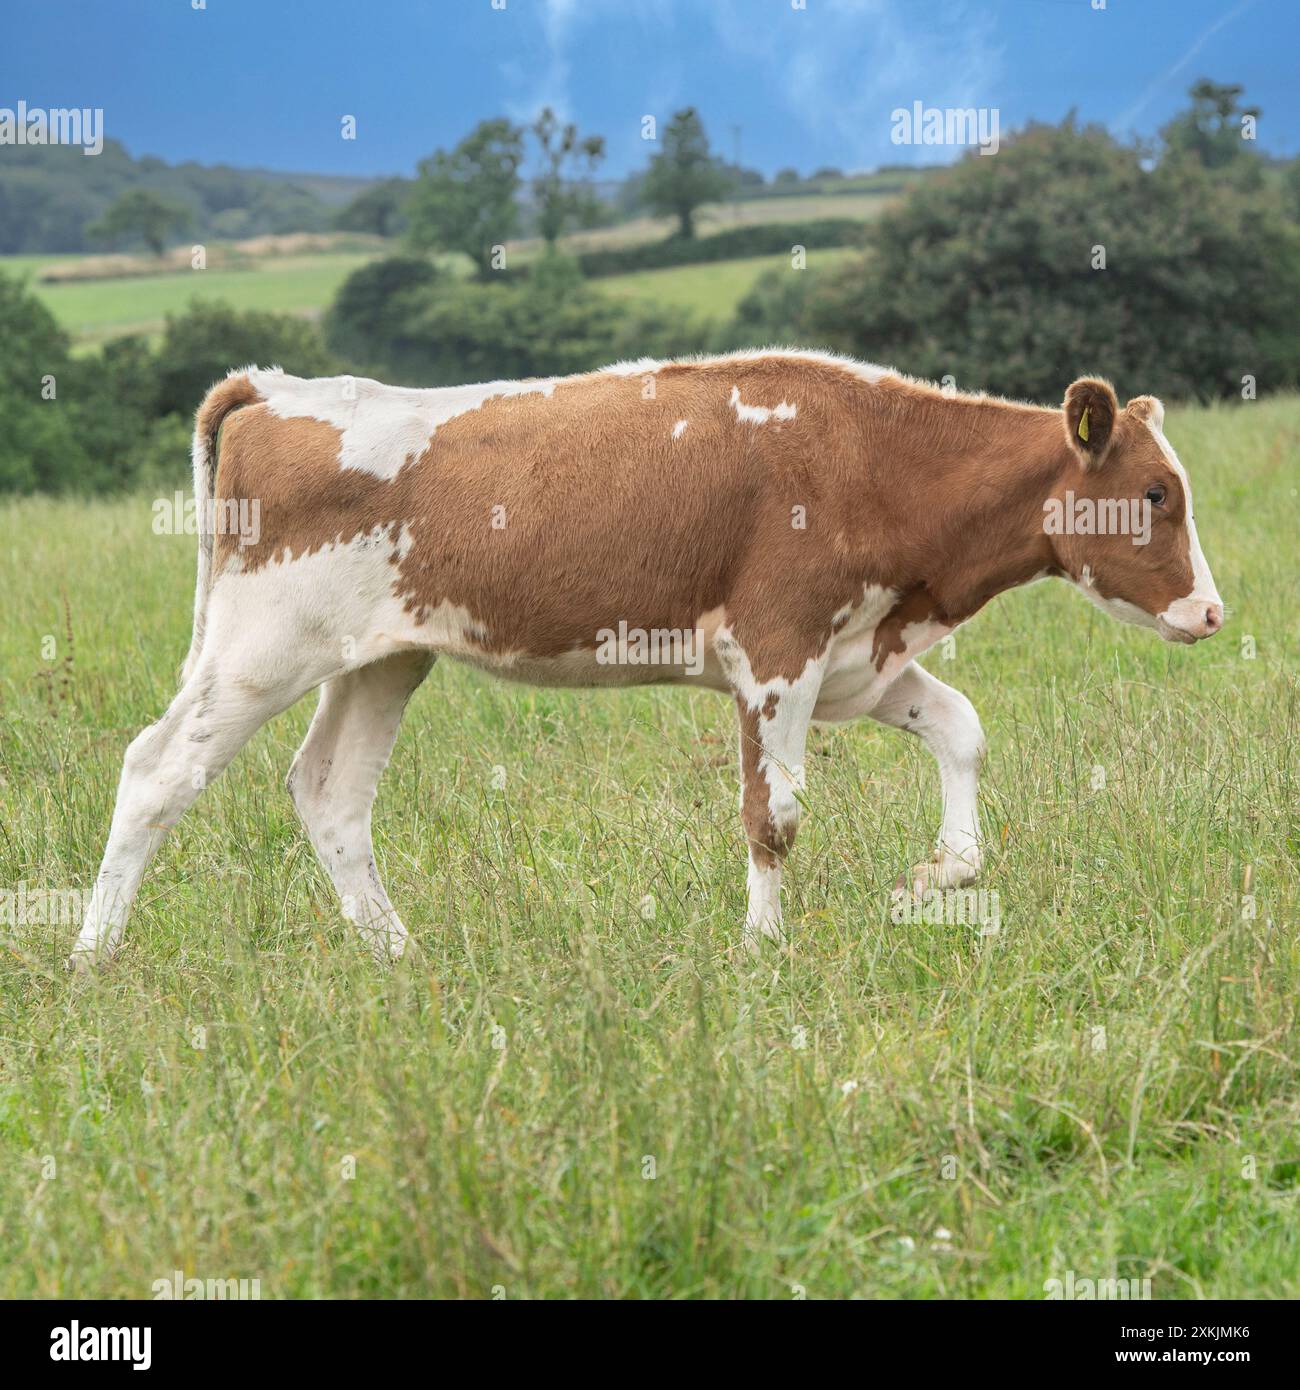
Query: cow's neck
[991, 473]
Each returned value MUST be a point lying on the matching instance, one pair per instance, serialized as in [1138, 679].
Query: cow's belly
[617, 657]
[855, 677]
[582, 669]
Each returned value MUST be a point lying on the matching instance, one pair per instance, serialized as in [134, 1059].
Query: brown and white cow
[802, 526]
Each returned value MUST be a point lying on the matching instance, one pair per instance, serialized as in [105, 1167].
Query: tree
[1211, 128]
[465, 200]
[140, 213]
[378, 209]
[1291, 188]
[684, 174]
[39, 443]
[995, 275]
[201, 345]
[566, 158]
[366, 324]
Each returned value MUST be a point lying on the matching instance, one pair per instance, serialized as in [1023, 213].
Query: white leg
[919, 703]
[333, 781]
[166, 767]
[774, 721]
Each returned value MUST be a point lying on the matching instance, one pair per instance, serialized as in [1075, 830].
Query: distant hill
[335, 190]
[48, 193]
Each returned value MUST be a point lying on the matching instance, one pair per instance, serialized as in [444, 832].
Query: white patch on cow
[1187, 614]
[853, 685]
[1118, 608]
[784, 708]
[351, 582]
[946, 720]
[763, 912]
[679, 428]
[639, 367]
[783, 735]
[864, 371]
[849, 660]
[760, 414]
[382, 427]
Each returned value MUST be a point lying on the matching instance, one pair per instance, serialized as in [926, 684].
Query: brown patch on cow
[770, 704]
[306, 500]
[917, 607]
[767, 845]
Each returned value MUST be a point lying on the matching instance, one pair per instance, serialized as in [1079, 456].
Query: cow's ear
[1148, 408]
[1090, 410]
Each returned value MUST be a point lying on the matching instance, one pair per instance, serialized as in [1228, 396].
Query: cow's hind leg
[217, 710]
[774, 720]
[333, 781]
[921, 704]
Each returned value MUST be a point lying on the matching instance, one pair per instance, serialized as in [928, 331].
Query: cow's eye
[1156, 495]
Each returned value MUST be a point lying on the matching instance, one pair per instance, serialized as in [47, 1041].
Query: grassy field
[862, 204]
[576, 1084]
[714, 289]
[94, 310]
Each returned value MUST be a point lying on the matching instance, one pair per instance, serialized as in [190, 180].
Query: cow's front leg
[946, 720]
[774, 719]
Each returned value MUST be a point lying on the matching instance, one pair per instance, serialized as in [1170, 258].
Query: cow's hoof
[936, 875]
[81, 962]
[388, 950]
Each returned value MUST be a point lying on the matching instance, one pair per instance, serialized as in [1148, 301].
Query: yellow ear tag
[1083, 424]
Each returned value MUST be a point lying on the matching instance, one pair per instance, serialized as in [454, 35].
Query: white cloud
[840, 67]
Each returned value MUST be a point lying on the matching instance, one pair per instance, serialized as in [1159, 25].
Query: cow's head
[1121, 522]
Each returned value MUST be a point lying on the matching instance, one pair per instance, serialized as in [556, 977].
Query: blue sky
[265, 82]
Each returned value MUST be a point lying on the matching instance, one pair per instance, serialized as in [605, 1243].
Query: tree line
[468, 198]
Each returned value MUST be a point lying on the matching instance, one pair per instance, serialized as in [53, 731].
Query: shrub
[366, 323]
[773, 313]
[986, 272]
[201, 345]
[114, 393]
[39, 444]
[122, 415]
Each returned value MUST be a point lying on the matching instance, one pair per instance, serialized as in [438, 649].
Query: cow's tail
[236, 390]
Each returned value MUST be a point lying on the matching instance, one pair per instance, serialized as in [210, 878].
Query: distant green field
[713, 289]
[92, 310]
[718, 217]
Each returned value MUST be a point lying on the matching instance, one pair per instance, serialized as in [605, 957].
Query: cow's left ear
[1090, 410]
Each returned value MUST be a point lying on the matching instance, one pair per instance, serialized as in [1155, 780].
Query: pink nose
[1213, 618]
